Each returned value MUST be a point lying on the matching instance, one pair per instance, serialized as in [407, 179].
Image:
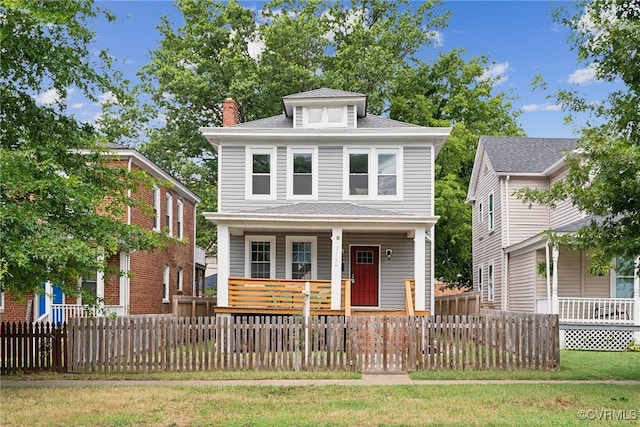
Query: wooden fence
[30, 347]
[365, 344]
[189, 306]
[464, 304]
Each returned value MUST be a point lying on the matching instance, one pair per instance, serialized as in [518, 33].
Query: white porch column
[636, 293]
[555, 308]
[125, 282]
[224, 247]
[336, 267]
[419, 243]
[48, 299]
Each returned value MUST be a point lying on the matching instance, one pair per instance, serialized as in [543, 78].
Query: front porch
[287, 297]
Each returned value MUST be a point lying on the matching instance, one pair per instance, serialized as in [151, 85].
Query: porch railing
[605, 311]
[61, 313]
[281, 294]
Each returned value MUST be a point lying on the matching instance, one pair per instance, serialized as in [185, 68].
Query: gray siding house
[329, 195]
[511, 252]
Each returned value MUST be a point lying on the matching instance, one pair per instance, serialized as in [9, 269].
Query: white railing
[60, 313]
[601, 311]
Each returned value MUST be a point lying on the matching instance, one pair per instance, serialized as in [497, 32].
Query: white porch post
[124, 282]
[48, 299]
[224, 247]
[419, 269]
[636, 293]
[555, 308]
[336, 267]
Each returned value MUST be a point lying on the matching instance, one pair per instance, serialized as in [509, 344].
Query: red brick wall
[146, 270]
[14, 310]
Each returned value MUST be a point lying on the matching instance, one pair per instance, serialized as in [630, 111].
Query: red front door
[364, 276]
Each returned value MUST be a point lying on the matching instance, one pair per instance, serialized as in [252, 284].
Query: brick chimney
[229, 112]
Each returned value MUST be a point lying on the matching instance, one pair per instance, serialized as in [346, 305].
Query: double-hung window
[179, 279]
[490, 214]
[480, 278]
[169, 214]
[156, 208]
[480, 213]
[324, 117]
[261, 173]
[301, 257]
[373, 173]
[302, 173]
[260, 260]
[490, 281]
[180, 224]
[624, 269]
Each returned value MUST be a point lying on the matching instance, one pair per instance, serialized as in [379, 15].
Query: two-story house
[328, 194]
[147, 281]
[517, 268]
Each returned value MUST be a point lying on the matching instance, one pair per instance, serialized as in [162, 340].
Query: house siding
[525, 221]
[416, 177]
[569, 276]
[564, 212]
[522, 282]
[487, 245]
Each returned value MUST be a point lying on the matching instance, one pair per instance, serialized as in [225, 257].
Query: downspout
[129, 193]
[548, 274]
[505, 256]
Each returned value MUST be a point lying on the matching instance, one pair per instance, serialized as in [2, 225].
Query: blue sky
[519, 37]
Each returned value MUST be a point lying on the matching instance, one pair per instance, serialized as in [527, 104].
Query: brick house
[152, 279]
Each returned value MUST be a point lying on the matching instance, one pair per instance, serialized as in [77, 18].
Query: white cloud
[496, 71]
[48, 97]
[77, 105]
[540, 107]
[109, 97]
[583, 76]
[437, 38]
[255, 48]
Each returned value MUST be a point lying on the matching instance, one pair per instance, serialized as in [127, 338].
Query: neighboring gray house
[511, 253]
[328, 194]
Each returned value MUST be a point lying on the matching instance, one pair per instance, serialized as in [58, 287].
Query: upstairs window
[261, 173]
[302, 173]
[373, 173]
[180, 224]
[156, 208]
[168, 222]
[480, 213]
[324, 117]
[491, 212]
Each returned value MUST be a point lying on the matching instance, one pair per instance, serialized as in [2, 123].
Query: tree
[604, 173]
[225, 49]
[452, 92]
[61, 200]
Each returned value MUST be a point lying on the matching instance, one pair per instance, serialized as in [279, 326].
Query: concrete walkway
[366, 380]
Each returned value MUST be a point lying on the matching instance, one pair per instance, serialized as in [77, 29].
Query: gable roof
[520, 156]
[324, 93]
[325, 96]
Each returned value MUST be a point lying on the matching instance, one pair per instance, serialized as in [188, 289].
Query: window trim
[179, 279]
[169, 213]
[373, 174]
[480, 213]
[490, 280]
[491, 200]
[325, 117]
[272, 152]
[157, 208]
[291, 151]
[1, 302]
[314, 254]
[614, 278]
[480, 281]
[166, 276]
[272, 256]
[180, 215]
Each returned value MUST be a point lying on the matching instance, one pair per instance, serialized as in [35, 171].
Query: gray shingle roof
[525, 155]
[283, 122]
[325, 209]
[573, 227]
[323, 93]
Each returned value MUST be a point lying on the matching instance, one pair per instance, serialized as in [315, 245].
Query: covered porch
[354, 258]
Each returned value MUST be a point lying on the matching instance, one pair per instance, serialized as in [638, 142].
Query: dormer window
[325, 117]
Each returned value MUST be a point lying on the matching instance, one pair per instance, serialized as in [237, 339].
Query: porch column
[48, 299]
[636, 293]
[336, 267]
[419, 250]
[555, 308]
[224, 247]
[125, 282]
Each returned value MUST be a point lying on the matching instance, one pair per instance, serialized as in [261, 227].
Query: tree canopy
[603, 180]
[61, 200]
[370, 46]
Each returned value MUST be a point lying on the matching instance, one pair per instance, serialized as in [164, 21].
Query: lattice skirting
[596, 339]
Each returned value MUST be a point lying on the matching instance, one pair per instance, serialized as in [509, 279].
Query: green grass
[574, 365]
[457, 405]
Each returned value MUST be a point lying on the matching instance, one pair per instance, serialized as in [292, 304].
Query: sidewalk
[366, 380]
